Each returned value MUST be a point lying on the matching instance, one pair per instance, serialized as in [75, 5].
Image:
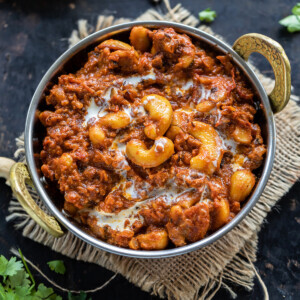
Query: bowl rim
[101, 35]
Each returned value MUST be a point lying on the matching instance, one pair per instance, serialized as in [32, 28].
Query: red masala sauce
[173, 183]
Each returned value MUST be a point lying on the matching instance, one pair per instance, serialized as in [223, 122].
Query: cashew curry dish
[152, 143]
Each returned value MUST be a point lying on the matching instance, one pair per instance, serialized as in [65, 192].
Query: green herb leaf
[9, 268]
[288, 20]
[10, 295]
[22, 291]
[13, 266]
[292, 22]
[207, 15]
[43, 292]
[17, 283]
[2, 292]
[20, 279]
[3, 264]
[57, 266]
[294, 27]
[296, 9]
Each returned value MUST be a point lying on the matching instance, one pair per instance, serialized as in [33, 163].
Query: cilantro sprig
[17, 282]
[57, 266]
[292, 22]
[207, 15]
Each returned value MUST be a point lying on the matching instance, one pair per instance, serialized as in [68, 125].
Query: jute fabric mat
[197, 275]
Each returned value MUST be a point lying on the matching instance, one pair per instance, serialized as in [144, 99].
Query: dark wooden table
[33, 33]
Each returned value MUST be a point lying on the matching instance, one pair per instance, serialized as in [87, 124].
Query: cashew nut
[205, 106]
[123, 56]
[139, 38]
[154, 240]
[181, 117]
[116, 120]
[126, 60]
[242, 183]
[179, 122]
[160, 111]
[185, 61]
[242, 135]
[173, 131]
[210, 154]
[115, 45]
[221, 214]
[138, 153]
[96, 134]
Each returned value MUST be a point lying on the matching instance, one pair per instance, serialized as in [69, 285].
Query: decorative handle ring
[274, 53]
[19, 176]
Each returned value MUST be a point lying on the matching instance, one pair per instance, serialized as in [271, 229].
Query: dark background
[33, 33]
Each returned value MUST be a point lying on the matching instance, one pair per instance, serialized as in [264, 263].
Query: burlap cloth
[227, 262]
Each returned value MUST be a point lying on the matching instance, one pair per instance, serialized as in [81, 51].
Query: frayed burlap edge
[201, 273]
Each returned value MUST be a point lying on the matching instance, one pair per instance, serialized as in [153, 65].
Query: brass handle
[274, 53]
[19, 176]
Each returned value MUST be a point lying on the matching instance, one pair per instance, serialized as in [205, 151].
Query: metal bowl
[72, 60]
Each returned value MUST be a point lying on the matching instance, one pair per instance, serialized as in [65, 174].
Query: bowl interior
[73, 60]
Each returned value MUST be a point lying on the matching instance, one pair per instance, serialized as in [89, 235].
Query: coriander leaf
[9, 268]
[294, 27]
[288, 20]
[57, 266]
[2, 292]
[291, 22]
[207, 15]
[296, 9]
[13, 266]
[3, 265]
[18, 283]
[22, 291]
[81, 296]
[20, 279]
[10, 295]
[43, 292]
